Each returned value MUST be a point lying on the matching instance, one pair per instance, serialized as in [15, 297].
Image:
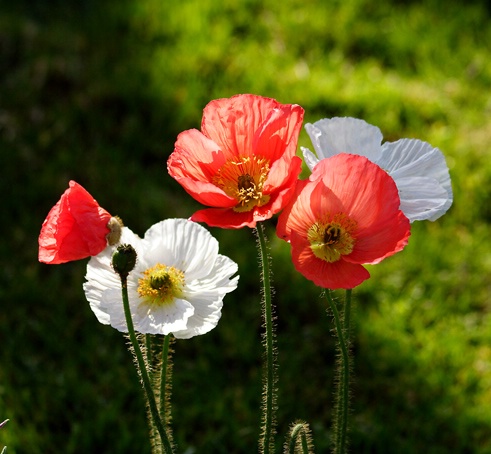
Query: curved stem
[269, 380]
[342, 391]
[143, 370]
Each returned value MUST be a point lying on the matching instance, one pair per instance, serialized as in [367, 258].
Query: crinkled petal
[283, 172]
[206, 296]
[100, 275]
[232, 122]
[193, 164]
[278, 135]
[411, 158]
[218, 282]
[422, 198]
[195, 156]
[331, 136]
[204, 319]
[164, 319]
[183, 244]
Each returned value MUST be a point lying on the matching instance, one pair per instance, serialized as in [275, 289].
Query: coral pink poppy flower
[346, 215]
[242, 163]
[76, 228]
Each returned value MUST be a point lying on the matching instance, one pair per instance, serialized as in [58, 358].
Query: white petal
[100, 275]
[204, 319]
[207, 295]
[219, 277]
[411, 158]
[184, 244]
[112, 304]
[331, 136]
[164, 319]
[422, 198]
[310, 158]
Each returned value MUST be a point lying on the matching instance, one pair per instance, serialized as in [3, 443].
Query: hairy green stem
[300, 439]
[165, 377]
[157, 421]
[266, 443]
[346, 317]
[342, 386]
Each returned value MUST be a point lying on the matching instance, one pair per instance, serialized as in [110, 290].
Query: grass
[98, 91]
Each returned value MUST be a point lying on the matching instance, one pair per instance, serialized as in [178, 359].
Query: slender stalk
[347, 314]
[342, 386]
[143, 370]
[165, 381]
[346, 318]
[149, 354]
[266, 442]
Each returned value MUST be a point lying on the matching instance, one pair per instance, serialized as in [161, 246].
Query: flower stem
[165, 381]
[143, 370]
[266, 442]
[342, 384]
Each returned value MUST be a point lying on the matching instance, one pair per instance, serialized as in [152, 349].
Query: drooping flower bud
[75, 228]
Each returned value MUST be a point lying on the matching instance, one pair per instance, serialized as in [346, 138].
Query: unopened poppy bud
[124, 259]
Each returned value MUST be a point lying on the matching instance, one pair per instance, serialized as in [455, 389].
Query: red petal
[195, 156]
[368, 195]
[75, 228]
[225, 218]
[233, 122]
[337, 275]
[278, 135]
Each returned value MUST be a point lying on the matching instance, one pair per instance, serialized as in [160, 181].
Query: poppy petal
[75, 228]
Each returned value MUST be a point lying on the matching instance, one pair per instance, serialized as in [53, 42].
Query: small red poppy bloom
[347, 214]
[75, 228]
[242, 163]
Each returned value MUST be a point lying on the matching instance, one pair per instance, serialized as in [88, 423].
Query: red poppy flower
[75, 228]
[242, 163]
[347, 214]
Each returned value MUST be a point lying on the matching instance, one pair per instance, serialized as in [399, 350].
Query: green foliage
[97, 91]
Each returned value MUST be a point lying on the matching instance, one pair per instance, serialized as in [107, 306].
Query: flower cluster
[354, 209]
[418, 169]
[177, 285]
[356, 206]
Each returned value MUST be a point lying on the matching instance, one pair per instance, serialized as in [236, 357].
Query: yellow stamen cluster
[330, 240]
[161, 284]
[243, 179]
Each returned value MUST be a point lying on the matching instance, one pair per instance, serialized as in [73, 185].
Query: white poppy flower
[177, 285]
[418, 169]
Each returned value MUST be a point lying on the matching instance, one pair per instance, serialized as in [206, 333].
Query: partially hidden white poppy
[177, 285]
[418, 169]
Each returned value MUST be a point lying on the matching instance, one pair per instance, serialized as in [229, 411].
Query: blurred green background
[97, 91]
